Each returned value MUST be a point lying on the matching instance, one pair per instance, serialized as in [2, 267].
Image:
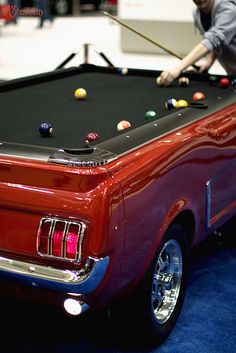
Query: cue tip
[107, 14]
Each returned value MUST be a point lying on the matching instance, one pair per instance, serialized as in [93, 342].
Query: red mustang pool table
[89, 223]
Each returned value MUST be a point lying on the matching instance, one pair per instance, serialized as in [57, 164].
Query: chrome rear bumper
[54, 279]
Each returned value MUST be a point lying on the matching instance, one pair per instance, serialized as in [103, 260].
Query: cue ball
[45, 129]
[158, 81]
[171, 103]
[224, 82]
[80, 93]
[182, 103]
[183, 81]
[198, 96]
[123, 71]
[91, 137]
[123, 124]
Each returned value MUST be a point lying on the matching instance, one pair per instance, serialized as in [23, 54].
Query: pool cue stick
[115, 18]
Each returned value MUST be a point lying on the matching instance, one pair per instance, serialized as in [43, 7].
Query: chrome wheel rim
[167, 281]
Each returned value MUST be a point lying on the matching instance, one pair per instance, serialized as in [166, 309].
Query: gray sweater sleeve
[223, 27]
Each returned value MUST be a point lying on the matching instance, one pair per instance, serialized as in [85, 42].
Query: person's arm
[208, 61]
[198, 52]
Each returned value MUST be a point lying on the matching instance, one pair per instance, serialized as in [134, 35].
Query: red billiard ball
[224, 82]
[91, 137]
[123, 124]
[198, 96]
[45, 129]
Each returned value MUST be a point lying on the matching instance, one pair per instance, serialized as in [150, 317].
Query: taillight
[57, 238]
[72, 239]
[60, 238]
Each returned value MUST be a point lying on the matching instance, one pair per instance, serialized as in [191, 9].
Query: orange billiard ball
[123, 124]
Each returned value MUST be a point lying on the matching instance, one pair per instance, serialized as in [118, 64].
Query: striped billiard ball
[170, 104]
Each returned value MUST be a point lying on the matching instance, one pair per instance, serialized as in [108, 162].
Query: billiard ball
[224, 82]
[182, 103]
[91, 137]
[123, 71]
[213, 80]
[80, 93]
[123, 124]
[158, 81]
[170, 104]
[198, 96]
[233, 82]
[150, 114]
[183, 81]
[45, 129]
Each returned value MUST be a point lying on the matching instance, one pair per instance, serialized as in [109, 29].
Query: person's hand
[168, 76]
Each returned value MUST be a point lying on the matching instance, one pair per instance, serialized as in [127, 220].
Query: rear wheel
[152, 310]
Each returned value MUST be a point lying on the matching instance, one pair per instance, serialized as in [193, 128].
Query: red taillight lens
[60, 238]
[43, 236]
[71, 242]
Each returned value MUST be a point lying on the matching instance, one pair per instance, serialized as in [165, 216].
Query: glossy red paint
[126, 205]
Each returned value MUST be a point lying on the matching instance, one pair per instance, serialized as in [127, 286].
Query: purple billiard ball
[45, 129]
[171, 103]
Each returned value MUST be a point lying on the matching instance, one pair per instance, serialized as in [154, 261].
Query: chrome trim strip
[52, 278]
[208, 204]
[99, 157]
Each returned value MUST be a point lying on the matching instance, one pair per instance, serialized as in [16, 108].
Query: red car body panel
[126, 205]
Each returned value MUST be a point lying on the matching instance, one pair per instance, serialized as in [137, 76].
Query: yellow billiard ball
[182, 103]
[80, 93]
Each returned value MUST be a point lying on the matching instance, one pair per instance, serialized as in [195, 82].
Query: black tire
[152, 310]
[226, 234]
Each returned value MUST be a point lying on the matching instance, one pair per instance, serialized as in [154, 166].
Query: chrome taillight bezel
[53, 221]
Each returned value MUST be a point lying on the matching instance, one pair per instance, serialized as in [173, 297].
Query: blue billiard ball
[233, 82]
[45, 129]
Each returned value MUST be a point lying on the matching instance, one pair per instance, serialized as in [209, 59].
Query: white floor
[26, 50]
